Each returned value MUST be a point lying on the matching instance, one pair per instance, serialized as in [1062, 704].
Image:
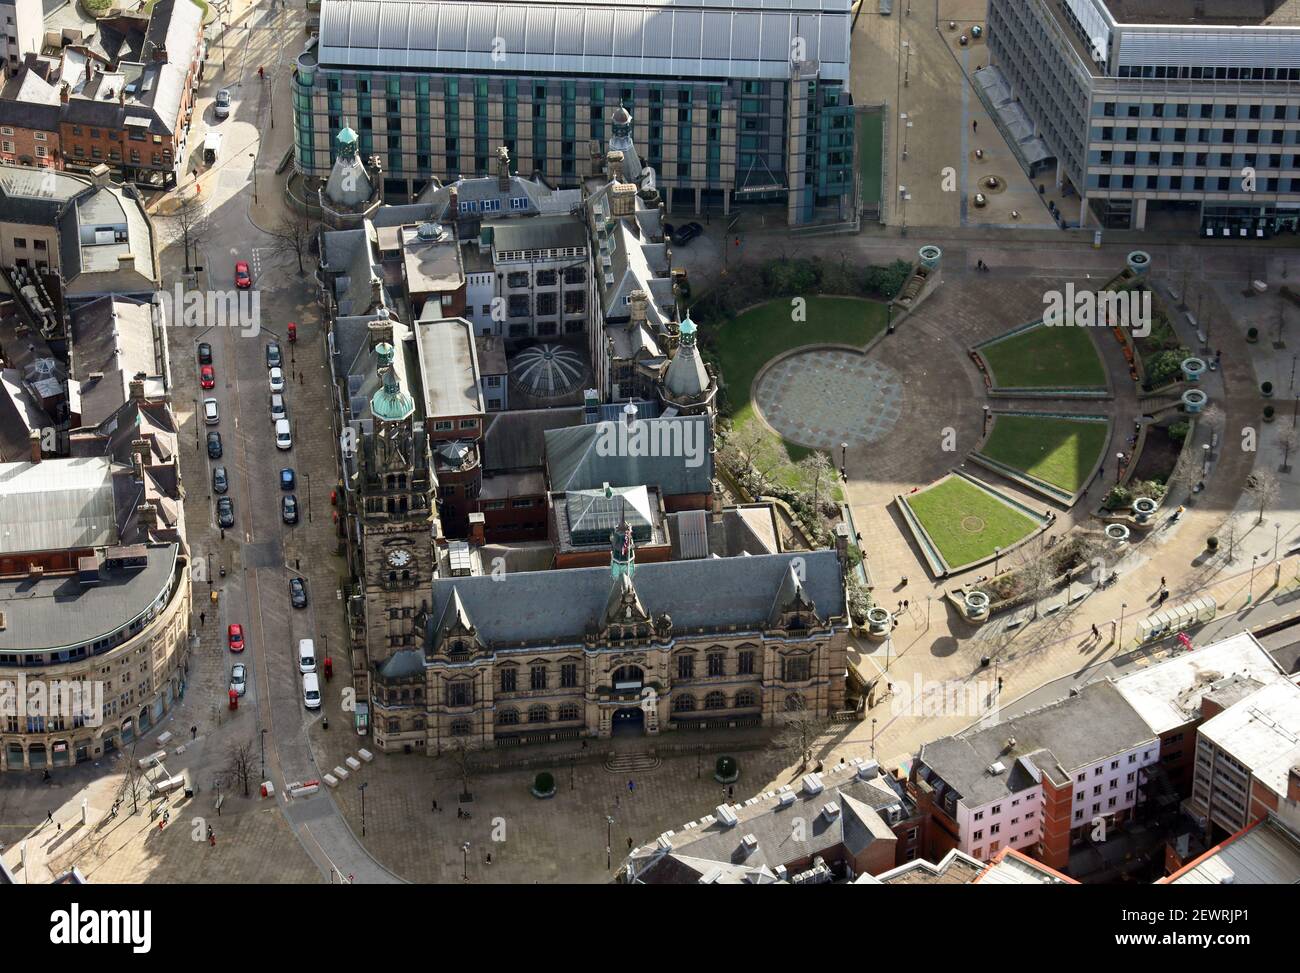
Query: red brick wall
[1054, 848]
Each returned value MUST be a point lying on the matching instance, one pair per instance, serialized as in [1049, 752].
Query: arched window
[568, 712]
[539, 714]
[746, 699]
[460, 728]
[508, 717]
[715, 701]
[626, 675]
[683, 704]
[794, 703]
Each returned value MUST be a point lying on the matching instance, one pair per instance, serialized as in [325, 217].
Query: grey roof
[638, 38]
[81, 253]
[574, 460]
[715, 593]
[1264, 854]
[1058, 739]
[36, 196]
[449, 368]
[55, 612]
[686, 375]
[402, 664]
[539, 233]
[114, 336]
[57, 504]
[516, 440]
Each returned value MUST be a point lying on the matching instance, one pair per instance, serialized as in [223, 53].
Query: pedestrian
[1162, 581]
[1218, 355]
[631, 786]
[629, 842]
[49, 817]
[488, 859]
[260, 73]
[616, 800]
[731, 791]
[974, 125]
[203, 618]
[194, 733]
[1163, 596]
[904, 582]
[435, 804]
[1095, 632]
[905, 604]
[295, 565]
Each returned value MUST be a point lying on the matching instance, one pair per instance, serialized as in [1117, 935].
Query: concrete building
[745, 101]
[24, 28]
[1263, 853]
[1040, 782]
[1180, 108]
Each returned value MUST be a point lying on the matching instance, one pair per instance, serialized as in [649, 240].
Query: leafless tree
[461, 754]
[800, 732]
[1035, 569]
[1288, 438]
[750, 453]
[191, 215]
[292, 235]
[817, 467]
[134, 785]
[241, 762]
[1264, 487]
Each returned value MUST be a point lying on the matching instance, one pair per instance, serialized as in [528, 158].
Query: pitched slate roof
[558, 606]
[574, 460]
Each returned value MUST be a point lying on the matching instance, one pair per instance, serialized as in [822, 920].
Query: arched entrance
[628, 721]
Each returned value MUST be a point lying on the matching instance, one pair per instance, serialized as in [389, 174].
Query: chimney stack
[380, 331]
[126, 262]
[34, 442]
[477, 529]
[147, 515]
[640, 303]
[453, 205]
[65, 92]
[137, 389]
[503, 169]
[622, 199]
[614, 164]
[716, 513]
[139, 451]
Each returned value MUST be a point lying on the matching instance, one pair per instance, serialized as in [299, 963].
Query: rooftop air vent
[997, 767]
[831, 811]
[750, 842]
[786, 800]
[812, 784]
[726, 816]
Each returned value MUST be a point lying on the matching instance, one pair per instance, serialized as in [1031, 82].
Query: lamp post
[1277, 537]
[1254, 559]
[997, 556]
[609, 842]
[464, 862]
[844, 461]
[1119, 467]
[262, 739]
[873, 738]
[988, 412]
[362, 789]
[1122, 608]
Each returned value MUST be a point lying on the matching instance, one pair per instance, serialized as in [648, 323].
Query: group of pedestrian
[212, 837]
[981, 265]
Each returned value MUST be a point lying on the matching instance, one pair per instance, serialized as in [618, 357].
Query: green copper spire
[390, 403]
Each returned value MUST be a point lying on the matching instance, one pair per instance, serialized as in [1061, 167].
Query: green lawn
[1046, 358]
[747, 343]
[965, 523]
[1061, 452]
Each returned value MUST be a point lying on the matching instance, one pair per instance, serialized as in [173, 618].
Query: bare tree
[1288, 439]
[242, 762]
[1035, 569]
[191, 215]
[801, 729]
[1264, 487]
[134, 784]
[292, 235]
[751, 454]
[818, 467]
[461, 754]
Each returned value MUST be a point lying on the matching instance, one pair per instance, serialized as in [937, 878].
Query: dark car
[297, 593]
[225, 512]
[214, 445]
[272, 354]
[668, 230]
[220, 484]
[289, 508]
[205, 353]
[685, 234]
[287, 479]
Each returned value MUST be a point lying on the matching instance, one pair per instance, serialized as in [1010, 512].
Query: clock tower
[398, 513]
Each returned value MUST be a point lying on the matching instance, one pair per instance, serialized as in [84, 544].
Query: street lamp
[1251, 595]
[988, 412]
[362, 789]
[464, 866]
[873, 738]
[609, 842]
[262, 738]
[844, 460]
[1277, 537]
[1119, 466]
[997, 556]
[1122, 608]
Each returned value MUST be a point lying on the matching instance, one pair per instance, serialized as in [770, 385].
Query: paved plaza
[827, 396]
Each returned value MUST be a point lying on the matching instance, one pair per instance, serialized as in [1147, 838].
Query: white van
[310, 691]
[283, 440]
[306, 656]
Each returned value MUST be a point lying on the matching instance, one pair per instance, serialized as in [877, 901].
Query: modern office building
[739, 100]
[1154, 106]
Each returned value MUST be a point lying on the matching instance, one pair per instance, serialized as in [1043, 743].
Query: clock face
[399, 558]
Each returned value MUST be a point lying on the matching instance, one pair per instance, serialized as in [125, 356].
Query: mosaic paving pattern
[823, 398]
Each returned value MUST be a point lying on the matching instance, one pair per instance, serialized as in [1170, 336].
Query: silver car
[238, 675]
[222, 106]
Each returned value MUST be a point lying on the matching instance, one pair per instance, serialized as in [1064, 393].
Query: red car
[235, 636]
[207, 377]
[242, 277]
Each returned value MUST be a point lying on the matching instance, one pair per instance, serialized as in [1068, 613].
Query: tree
[1287, 439]
[1035, 568]
[191, 215]
[801, 729]
[292, 234]
[1264, 487]
[462, 756]
[818, 467]
[240, 765]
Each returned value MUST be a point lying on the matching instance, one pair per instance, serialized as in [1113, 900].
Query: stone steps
[622, 763]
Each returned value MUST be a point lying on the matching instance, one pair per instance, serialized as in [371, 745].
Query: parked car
[243, 279]
[283, 440]
[685, 234]
[289, 508]
[272, 354]
[311, 691]
[211, 412]
[276, 379]
[205, 353]
[668, 231]
[298, 592]
[214, 445]
[278, 410]
[238, 677]
[225, 512]
[221, 107]
[235, 637]
[220, 483]
[306, 656]
[207, 377]
[287, 478]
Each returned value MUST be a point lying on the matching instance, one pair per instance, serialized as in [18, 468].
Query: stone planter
[975, 604]
[879, 624]
[1194, 400]
[540, 795]
[1139, 261]
[1143, 508]
[1252, 335]
[731, 778]
[1193, 369]
[1266, 390]
[543, 786]
[930, 255]
[1118, 533]
[1269, 413]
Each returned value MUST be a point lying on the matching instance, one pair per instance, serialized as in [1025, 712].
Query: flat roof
[1168, 695]
[57, 504]
[1265, 853]
[1262, 732]
[1208, 13]
[449, 368]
